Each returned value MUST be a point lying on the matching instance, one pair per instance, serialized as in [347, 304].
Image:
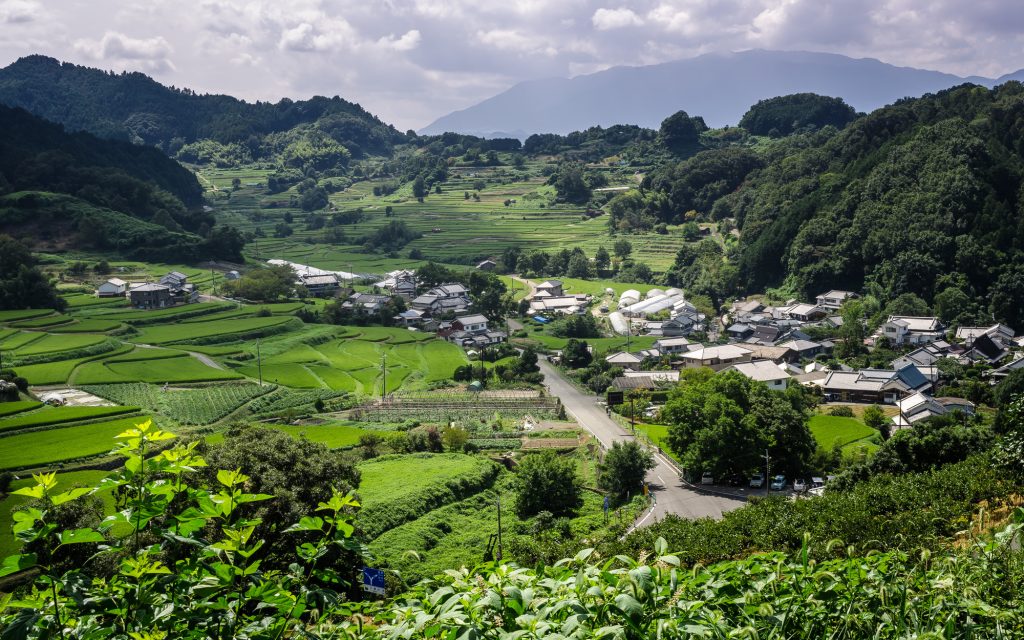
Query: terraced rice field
[169, 333]
[48, 446]
[59, 415]
[179, 369]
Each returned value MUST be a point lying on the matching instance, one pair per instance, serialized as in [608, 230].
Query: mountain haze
[719, 87]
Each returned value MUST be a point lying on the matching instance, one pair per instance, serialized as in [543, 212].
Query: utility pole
[629, 330]
[498, 556]
[259, 361]
[767, 473]
[384, 373]
[213, 279]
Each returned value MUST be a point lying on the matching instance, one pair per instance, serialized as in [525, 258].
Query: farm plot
[178, 369]
[11, 408]
[59, 415]
[51, 343]
[847, 433]
[146, 316]
[199, 406]
[399, 488]
[170, 333]
[284, 400]
[87, 326]
[36, 448]
[45, 321]
[13, 315]
[335, 436]
[59, 371]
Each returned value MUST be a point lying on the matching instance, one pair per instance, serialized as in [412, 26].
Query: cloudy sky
[410, 61]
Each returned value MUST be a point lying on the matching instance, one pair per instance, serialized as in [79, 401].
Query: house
[806, 312]
[777, 354]
[565, 305]
[113, 288]
[487, 265]
[150, 296]
[624, 360]
[680, 325]
[997, 375]
[174, 280]
[985, 348]
[764, 334]
[740, 309]
[647, 380]
[739, 331]
[551, 287]
[716, 357]
[446, 299]
[917, 407]
[471, 332]
[399, 283]
[764, 371]
[366, 302]
[804, 349]
[913, 330]
[833, 300]
[874, 386]
[672, 345]
[320, 286]
[998, 332]
[660, 376]
[411, 318]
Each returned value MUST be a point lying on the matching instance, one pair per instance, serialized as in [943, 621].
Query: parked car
[799, 485]
[817, 483]
[778, 483]
[757, 481]
[707, 478]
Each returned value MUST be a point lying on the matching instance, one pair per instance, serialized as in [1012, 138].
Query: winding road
[671, 495]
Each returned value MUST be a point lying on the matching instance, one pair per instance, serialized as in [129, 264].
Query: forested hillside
[134, 107]
[76, 190]
[923, 197]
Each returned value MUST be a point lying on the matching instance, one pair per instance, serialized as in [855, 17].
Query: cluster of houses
[768, 345]
[172, 289]
[548, 299]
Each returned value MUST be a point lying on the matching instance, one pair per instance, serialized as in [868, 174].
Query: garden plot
[199, 406]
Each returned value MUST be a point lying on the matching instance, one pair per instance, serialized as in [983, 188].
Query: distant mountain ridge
[718, 87]
[137, 108]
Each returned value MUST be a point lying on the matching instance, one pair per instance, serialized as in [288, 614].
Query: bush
[842, 411]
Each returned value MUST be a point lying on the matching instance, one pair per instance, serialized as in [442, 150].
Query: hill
[75, 190]
[136, 108]
[717, 86]
[923, 197]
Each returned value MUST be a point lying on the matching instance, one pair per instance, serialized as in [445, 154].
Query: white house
[834, 299]
[113, 288]
[915, 330]
[764, 371]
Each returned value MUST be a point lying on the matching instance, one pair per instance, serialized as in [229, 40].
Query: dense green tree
[263, 285]
[575, 354]
[623, 248]
[22, 284]
[547, 482]
[783, 115]
[579, 267]
[875, 418]
[723, 423]
[602, 259]
[571, 184]
[624, 467]
[679, 132]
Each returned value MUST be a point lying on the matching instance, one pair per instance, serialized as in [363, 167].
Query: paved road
[671, 495]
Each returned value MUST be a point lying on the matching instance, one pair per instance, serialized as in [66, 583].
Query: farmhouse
[716, 357]
[487, 265]
[805, 312]
[113, 288]
[368, 302]
[550, 287]
[833, 300]
[672, 345]
[565, 305]
[918, 406]
[915, 330]
[181, 289]
[472, 331]
[764, 371]
[150, 296]
[624, 360]
[399, 283]
[320, 286]
[874, 386]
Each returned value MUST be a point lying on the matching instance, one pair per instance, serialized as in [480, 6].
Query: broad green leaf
[78, 536]
[308, 523]
[14, 564]
[72, 494]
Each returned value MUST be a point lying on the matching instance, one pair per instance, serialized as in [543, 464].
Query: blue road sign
[373, 580]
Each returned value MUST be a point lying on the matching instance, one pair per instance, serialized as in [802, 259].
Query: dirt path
[207, 360]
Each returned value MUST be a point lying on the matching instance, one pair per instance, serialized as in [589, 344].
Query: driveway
[671, 495]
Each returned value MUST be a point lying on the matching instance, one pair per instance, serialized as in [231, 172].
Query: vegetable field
[199, 406]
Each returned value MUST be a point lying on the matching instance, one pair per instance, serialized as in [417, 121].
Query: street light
[767, 473]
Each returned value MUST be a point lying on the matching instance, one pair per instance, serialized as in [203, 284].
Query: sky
[411, 61]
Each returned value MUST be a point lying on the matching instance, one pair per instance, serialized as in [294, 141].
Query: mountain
[719, 87]
[134, 107]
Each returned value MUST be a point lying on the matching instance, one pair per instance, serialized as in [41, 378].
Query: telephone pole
[767, 473]
[384, 373]
[259, 361]
[498, 555]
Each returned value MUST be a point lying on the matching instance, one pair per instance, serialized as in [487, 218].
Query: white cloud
[608, 19]
[517, 41]
[18, 11]
[407, 42]
[148, 54]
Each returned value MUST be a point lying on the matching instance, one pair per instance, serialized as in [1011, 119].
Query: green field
[45, 343]
[168, 333]
[178, 369]
[391, 478]
[14, 315]
[59, 415]
[198, 406]
[847, 433]
[48, 446]
[59, 371]
[18, 406]
[334, 435]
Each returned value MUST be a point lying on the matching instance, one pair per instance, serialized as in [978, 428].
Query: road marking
[663, 483]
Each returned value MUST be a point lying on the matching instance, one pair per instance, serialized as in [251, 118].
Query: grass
[849, 434]
[58, 415]
[53, 343]
[45, 321]
[335, 435]
[169, 333]
[10, 408]
[393, 477]
[59, 371]
[200, 406]
[15, 315]
[36, 448]
[91, 325]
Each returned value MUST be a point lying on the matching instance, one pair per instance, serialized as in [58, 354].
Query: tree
[570, 183]
[723, 423]
[602, 259]
[454, 438]
[623, 248]
[419, 188]
[547, 482]
[264, 285]
[579, 267]
[22, 284]
[852, 332]
[575, 354]
[527, 362]
[624, 468]
[299, 473]
[875, 418]
[679, 132]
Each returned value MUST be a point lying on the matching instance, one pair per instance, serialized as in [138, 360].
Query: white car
[757, 481]
[799, 485]
[707, 478]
